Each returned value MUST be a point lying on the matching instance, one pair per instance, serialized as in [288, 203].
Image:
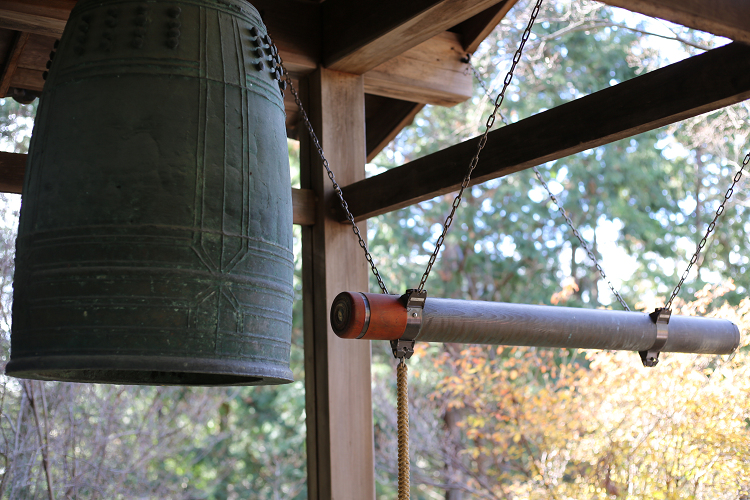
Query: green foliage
[16, 122]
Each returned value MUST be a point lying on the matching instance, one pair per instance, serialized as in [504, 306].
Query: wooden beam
[31, 23]
[697, 85]
[384, 119]
[727, 18]
[13, 169]
[430, 73]
[477, 28]
[29, 79]
[304, 206]
[11, 62]
[52, 9]
[340, 453]
[358, 36]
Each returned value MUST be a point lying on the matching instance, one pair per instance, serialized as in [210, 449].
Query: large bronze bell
[155, 242]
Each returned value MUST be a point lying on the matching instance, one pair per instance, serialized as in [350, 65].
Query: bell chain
[710, 229]
[481, 144]
[336, 186]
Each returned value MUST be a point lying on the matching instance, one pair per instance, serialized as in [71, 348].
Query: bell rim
[152, 370]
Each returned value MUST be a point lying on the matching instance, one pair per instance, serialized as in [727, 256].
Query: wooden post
[337, 373]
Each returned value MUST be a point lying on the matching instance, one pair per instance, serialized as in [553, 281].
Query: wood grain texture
[31, 23]
[477, 28]
[11, 61]
[13, 169]
[337, 372]
[727, 18]
[36, 52]
[358, 36]
[430, 73]
[304, 206]
[688, 88]
[384, 119]
[29, 79]
[52, 9]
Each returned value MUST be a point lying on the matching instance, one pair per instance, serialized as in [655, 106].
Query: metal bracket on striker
[661, 317]
[404, 346]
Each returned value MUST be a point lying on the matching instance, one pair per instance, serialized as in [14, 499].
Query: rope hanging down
[402, 410]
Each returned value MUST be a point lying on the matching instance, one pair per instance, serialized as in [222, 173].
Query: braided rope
[403, 431]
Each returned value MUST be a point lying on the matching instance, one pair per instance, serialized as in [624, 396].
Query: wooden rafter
[430, 73]
[11, 62]
[477, 28]
[727, 18]
[360, 35]
[697, 85]
[384, 119]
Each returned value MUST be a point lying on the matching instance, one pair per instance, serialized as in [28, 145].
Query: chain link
[584, 245]
[332, 177]
[710, 229]
[482, 142]
[554, 199]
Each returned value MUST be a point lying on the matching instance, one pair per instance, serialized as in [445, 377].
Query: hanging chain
[591, 255]
[336, 187]
[403, 430]
[554, 199]
[480, 145]
[585, 246]
[710, 229]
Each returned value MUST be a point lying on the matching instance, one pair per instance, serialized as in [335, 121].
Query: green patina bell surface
[155, 241]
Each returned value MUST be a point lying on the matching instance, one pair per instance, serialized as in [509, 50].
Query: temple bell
[155, 239]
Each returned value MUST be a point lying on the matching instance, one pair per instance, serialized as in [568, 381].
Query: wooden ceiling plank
[475, 29]
[697, 85]
[728, 18]
[430, 73]
[11, 62]
[358, 36]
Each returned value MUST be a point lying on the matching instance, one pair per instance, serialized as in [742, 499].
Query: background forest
[486, 422]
